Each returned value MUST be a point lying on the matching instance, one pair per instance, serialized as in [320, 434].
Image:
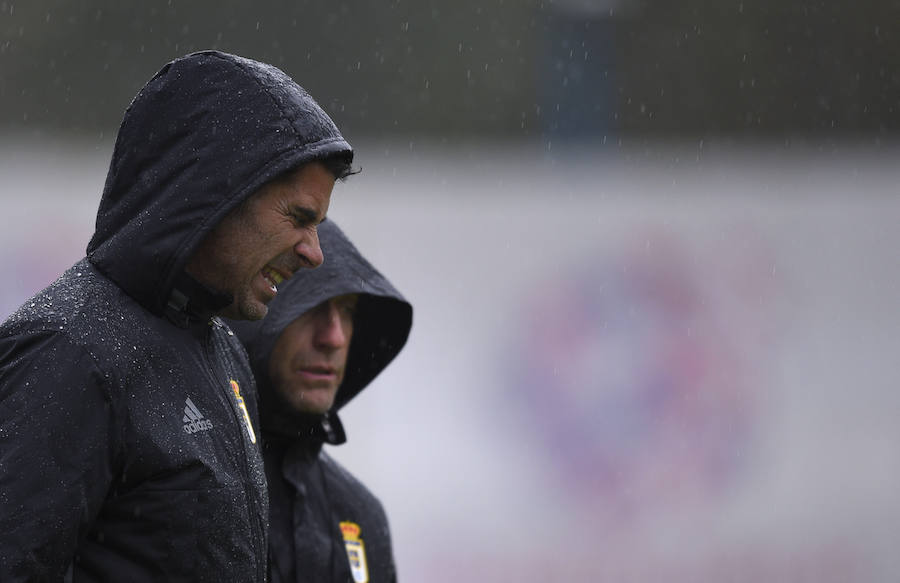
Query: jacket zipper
[252, 498]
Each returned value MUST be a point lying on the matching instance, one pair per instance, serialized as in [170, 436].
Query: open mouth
[273, 277]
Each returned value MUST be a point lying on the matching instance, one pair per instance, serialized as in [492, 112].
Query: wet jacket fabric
[320, 514]
[129, 433]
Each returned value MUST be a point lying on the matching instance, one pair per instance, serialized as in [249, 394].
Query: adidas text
[195, 426]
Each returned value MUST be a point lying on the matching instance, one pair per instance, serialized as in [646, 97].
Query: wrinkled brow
[305, 216]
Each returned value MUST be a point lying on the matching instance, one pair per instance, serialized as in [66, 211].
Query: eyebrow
[305, 215]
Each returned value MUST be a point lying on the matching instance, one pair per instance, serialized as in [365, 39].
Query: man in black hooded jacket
[328, 334]
[128, 432]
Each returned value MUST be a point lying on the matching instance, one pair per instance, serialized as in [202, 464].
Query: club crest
[356, 551]
[246, 415]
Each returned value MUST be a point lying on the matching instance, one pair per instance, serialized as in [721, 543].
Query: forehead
[345, 300]
[307, 187]
[340, 302]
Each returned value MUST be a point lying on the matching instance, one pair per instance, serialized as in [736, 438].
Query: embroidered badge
[240, 400]
[356, 552]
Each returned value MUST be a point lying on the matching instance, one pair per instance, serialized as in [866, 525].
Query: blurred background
[652, 248]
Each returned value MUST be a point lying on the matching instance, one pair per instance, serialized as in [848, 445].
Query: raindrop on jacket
[125, 454]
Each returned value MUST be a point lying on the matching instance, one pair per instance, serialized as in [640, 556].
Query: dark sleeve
[55, 454]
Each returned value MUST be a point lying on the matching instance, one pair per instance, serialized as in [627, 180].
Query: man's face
[307, 364]
[265, 240]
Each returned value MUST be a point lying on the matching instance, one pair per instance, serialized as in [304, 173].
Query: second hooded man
[329, 332]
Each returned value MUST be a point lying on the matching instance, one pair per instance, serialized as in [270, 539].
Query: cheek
[281, 372]
[348, 329]
[277, 362]
[289, 351]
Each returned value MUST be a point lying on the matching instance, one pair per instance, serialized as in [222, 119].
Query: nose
[330, 331]
[309, 251]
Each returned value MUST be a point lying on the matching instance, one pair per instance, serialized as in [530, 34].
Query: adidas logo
[193, 418]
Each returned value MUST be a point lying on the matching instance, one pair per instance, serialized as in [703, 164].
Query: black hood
[381, 326]
[204, 133]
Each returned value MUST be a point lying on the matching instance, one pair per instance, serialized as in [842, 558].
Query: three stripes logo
[193, 418]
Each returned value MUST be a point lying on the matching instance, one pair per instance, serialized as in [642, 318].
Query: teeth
[273, 277]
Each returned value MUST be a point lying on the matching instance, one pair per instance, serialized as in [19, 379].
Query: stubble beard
[247, 307]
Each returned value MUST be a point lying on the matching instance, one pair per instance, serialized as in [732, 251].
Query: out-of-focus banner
[674, 364]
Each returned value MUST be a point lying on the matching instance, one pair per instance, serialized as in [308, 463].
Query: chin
[250, 311]
[257, 315]
[302, 405]
[314, 410]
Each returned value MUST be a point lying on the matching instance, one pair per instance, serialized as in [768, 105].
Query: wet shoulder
[92, 314]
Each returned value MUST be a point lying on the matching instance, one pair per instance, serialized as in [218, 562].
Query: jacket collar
[312, 429]
[191, 302]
